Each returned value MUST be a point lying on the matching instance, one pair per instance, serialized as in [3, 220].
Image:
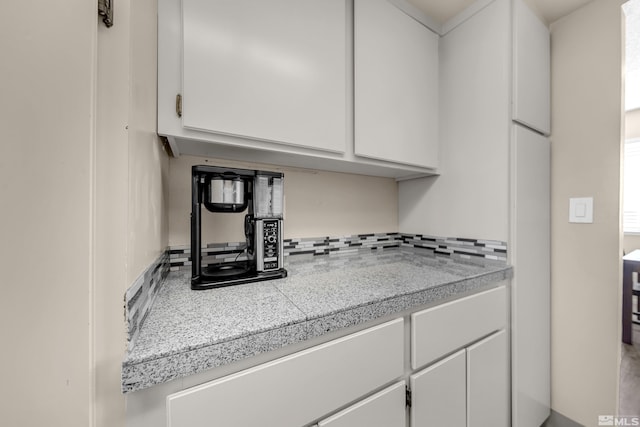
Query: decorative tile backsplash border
[139, 297]
[341, 244]
[179, 256]
[213, 253]
[466, 248]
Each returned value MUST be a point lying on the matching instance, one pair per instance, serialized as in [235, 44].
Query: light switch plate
[581, 210]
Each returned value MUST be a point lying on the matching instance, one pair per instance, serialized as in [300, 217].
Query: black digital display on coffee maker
[260, 193]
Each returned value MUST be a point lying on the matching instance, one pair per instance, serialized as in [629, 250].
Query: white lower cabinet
[488, 382]
[464, 346]
[469, 388]
[439, 393]
[383, 409]
[360, 379]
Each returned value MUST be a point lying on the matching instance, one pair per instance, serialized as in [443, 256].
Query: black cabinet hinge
[408, 396]
[179, 105]
[105, 10]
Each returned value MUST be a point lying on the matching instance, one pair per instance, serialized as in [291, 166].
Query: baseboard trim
[556, 419]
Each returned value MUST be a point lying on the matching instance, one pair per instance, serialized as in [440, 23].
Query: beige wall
[632, 130]
[317, 203]
[586, 276]
[131, 228]
[46, 116]
[148, 225]
[82, 204]
[111, 200]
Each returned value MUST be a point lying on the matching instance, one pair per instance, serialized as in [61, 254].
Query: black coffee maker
[261, 193]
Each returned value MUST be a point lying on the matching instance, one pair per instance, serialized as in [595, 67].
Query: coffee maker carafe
[261, 194]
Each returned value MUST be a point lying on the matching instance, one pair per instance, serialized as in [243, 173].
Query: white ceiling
[549, 10]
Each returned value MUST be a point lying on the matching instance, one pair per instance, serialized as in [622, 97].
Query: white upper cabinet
[531, 70]
[271, 70]
[395, 84]
[272, 81]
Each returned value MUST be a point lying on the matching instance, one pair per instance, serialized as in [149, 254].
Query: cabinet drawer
[440, 330]
[383, 409]
[295, 390]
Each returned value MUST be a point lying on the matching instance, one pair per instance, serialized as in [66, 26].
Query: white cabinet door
[270, 70]
[531, 70]
[531, 287]
[383, 409]
[296, 389]
[487, 382]
[396, 85]
[439, 393]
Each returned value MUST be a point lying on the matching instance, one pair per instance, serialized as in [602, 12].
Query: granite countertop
[190, 331]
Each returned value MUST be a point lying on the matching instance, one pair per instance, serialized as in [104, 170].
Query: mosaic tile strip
[179, 256]
[140, 296]
[465, 248]
[342, 244]
[213, 253]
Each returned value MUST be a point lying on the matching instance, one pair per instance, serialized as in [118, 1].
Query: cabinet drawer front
[295, 390]
[447, 327]
[383, 409]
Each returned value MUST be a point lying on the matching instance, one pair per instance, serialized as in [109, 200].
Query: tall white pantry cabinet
[495, 165]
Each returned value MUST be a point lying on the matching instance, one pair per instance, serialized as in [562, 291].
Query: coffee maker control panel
[271, 250]
[269, 239]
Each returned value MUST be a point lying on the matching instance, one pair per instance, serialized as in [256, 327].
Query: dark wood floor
[630, 376]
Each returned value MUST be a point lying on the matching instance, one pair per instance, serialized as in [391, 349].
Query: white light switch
[581, 210]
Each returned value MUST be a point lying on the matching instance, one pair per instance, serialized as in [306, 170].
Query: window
[631, 199]
[632, 55]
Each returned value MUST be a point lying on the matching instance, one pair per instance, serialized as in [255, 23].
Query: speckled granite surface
[190, 331]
